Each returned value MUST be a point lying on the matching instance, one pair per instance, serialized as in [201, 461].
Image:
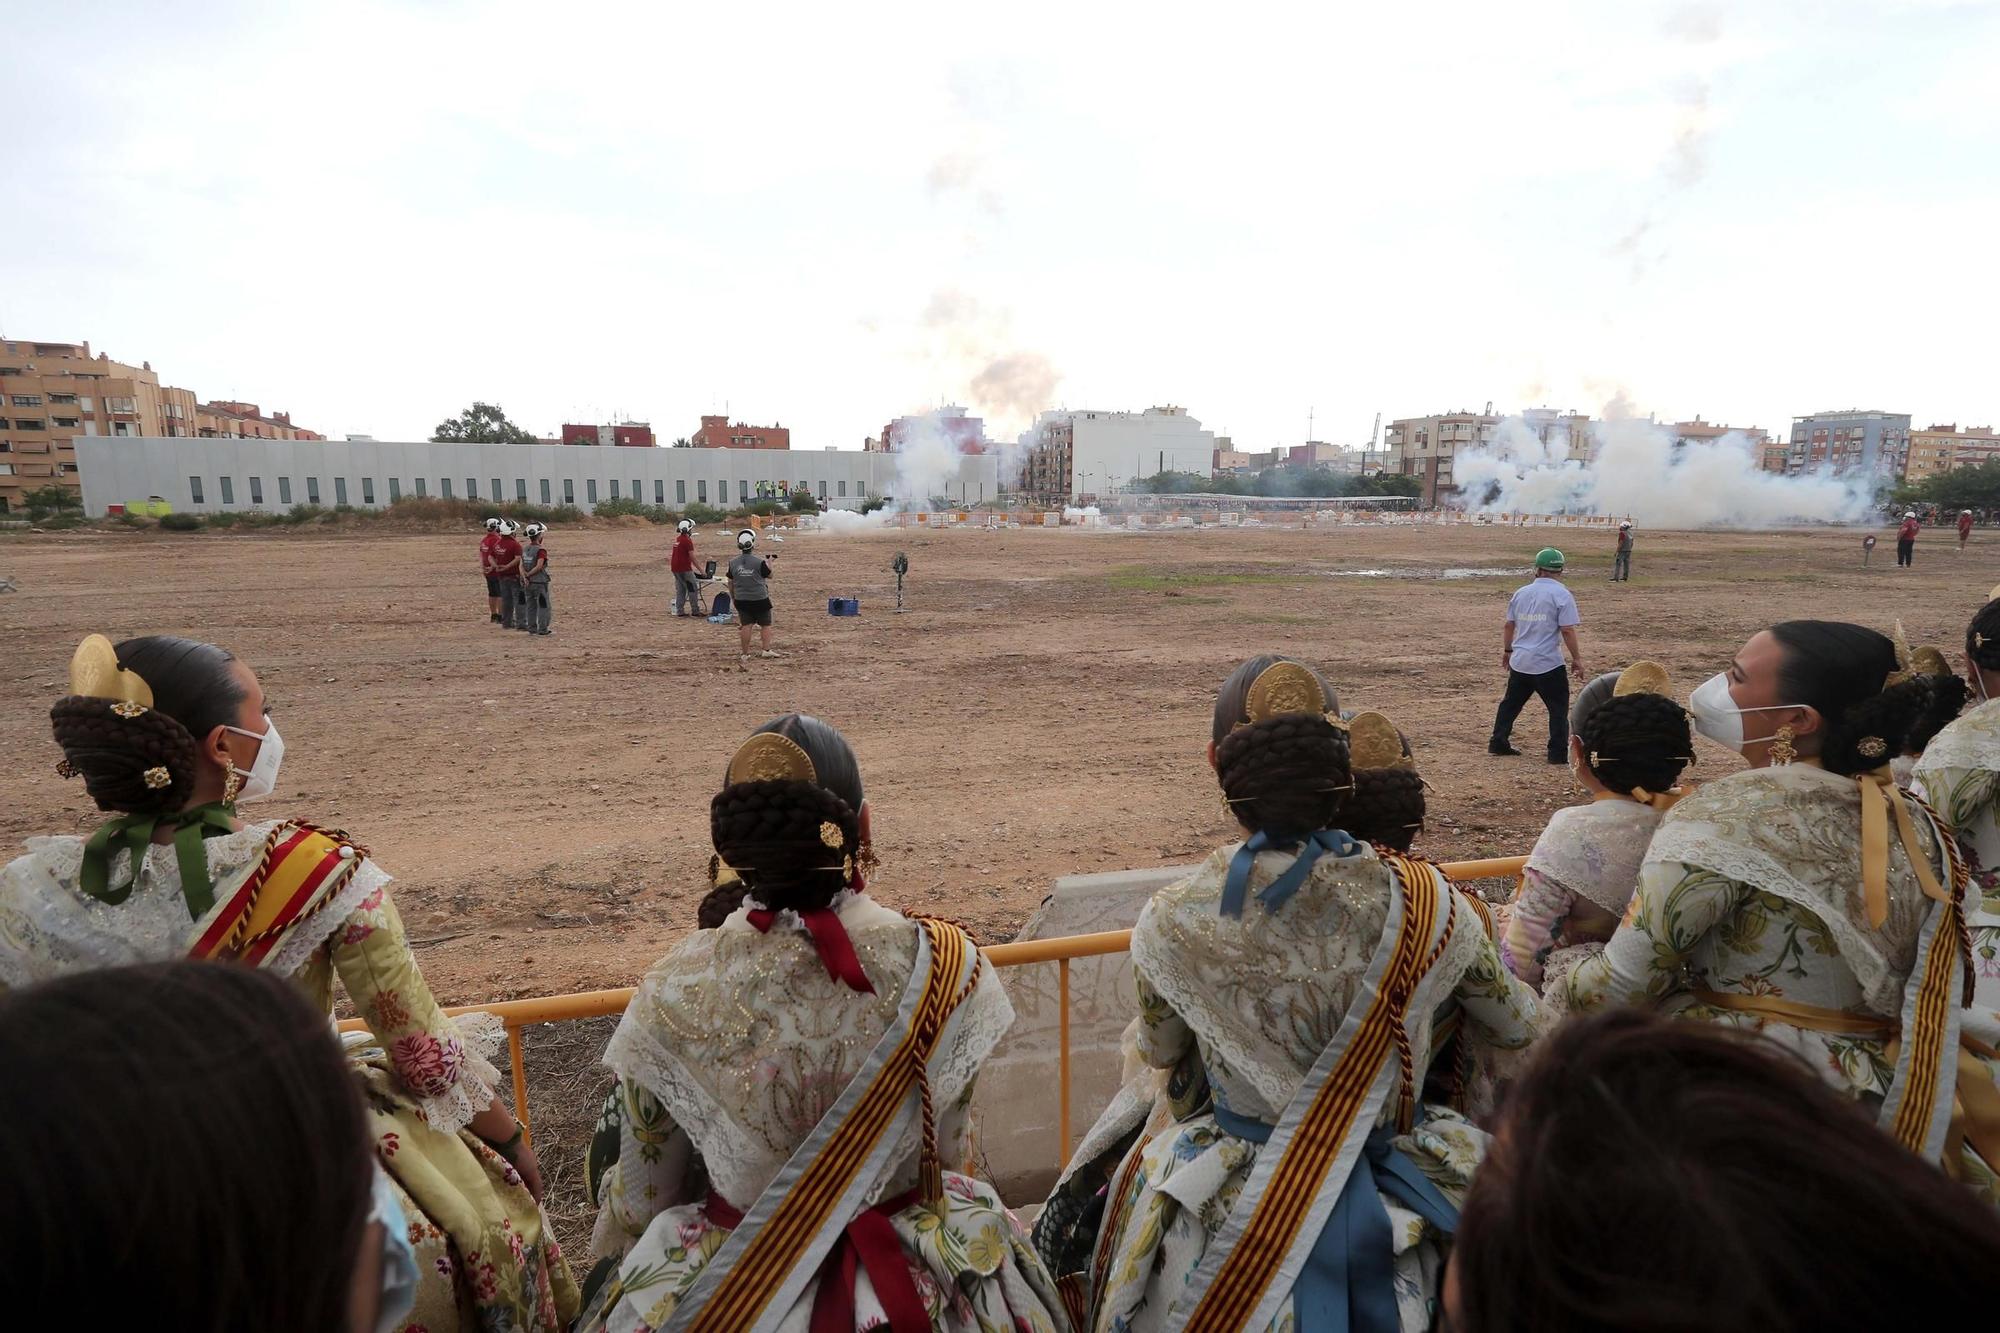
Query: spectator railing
[1061, 951]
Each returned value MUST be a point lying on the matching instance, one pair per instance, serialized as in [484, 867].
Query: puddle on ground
[1423, 572]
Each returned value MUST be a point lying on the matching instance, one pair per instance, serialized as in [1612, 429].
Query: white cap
[746, 539]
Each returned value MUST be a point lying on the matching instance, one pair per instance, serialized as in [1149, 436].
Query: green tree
[802, 502]
[1961, 488]
[50, 500]
[682, 443]
[482, 423]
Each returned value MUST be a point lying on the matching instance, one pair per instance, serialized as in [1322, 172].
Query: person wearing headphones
[535, 580]
[749, 587]
[488, 554]
[687, 596]
[507, 568]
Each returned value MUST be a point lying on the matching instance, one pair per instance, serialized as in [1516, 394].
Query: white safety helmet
[1626, 524]
[746, 539]
[536, 531]
[685, 525]
[1909, 513]
[1965, 511]
[507, 528]
[493, 525]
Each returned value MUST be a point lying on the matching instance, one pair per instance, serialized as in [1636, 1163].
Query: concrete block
[1017, 1104]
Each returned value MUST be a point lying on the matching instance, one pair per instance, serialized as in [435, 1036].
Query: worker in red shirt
[1964, 529]
[507, 569]
[486, 553]
[1906, 539]
[687, 596]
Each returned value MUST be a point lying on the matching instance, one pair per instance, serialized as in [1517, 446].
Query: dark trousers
[1906, 551]
[513, 604]
[1553, 686]
[1621, 567]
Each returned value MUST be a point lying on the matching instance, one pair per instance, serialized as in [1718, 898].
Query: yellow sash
[299, 872]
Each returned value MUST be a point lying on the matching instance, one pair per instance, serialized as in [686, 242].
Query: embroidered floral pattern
[429, 1066]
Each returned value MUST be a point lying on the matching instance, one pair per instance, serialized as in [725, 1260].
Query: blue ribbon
[1348, 1284]
[1310, 848]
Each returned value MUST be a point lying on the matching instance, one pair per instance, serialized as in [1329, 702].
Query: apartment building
[1942, 448]
[718, 432]
[619, 435]
[1848, 441]
[246, 421]
[1075, 455]
[1424, 447]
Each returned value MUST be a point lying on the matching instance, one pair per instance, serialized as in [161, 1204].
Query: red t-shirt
[683, 561]
[506, 556]
[1964, 524]
[487, 545]
[1908, 532]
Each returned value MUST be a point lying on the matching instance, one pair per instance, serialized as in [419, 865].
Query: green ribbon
[135, 834]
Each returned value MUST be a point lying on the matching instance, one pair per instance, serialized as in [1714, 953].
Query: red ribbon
[868, 1243]
[830, 939]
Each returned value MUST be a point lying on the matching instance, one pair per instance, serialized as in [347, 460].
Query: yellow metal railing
[517, 1014]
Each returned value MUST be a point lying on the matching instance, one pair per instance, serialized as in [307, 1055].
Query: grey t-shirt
[747, 573]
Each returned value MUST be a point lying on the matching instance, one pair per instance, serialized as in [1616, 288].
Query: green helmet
[1548, 558]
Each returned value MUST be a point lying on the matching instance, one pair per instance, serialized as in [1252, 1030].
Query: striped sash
[1918, 1109]
[1250, 1267]
[754, 1280]
[298, 873]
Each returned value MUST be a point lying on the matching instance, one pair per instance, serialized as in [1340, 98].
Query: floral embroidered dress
[1959, 773]
[1261, 996]
[1574, 888]
[484, 1251]
[737, 1044]
[1753, 890]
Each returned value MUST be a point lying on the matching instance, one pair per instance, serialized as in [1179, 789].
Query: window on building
[822, 490]
[569, 490]
[545, 490]
[659, 491]
[742, 491]
[472, 488]
[116, 404]
[843, 490]
[444, 487]
[65, 469]
[680, 493]
[340, 490]
[30, 423]
[368, 490]
[701, 492]
[121, 428]
[67, 423]
[312, 490]
[520, 489]
[395, 489]
[256, 490]
[636, 492]
[861, 489]
[497, 492]
[27, 400]
[194, 490]
[614, 489]
[284, 490]
[423, 488]
[63, 399]
[229, 490]
[590, 489]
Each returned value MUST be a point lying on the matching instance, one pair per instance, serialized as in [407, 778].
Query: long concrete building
[215, 476]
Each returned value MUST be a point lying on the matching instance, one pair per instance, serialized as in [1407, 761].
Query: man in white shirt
[1541, 621]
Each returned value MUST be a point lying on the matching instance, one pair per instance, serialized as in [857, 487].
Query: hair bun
[132, 762]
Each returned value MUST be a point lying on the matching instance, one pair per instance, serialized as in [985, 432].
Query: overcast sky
[371, 214]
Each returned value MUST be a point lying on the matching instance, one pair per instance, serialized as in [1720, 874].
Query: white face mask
[262, 778]
[1716, 715]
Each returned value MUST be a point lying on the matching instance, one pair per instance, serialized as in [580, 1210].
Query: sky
[371, 214]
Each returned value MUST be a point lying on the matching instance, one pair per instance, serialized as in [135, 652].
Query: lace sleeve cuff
[449, 1104]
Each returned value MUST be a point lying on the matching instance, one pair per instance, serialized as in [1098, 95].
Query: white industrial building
[1082, 454]
[220, 475]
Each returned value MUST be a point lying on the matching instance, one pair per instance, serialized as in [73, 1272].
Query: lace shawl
[49, 927]
[1267, 991]
[1595, 850]
[1959, 774]
[747, 1042]
[1794, 832]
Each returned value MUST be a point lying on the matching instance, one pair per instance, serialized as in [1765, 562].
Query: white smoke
[1075, 515]
[1639, 472]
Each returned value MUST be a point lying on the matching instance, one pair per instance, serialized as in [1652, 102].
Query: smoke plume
[972, 344]
[1639, 472]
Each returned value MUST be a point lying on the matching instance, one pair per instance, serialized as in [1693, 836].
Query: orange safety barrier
[1061, 950]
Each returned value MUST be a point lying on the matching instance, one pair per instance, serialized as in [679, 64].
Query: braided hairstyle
[1634, 741]
[194, 692]
[1949, 694]
[1840, 669]
[770, 832]
[1286, 775]
[1386, 807]
[1982, 637]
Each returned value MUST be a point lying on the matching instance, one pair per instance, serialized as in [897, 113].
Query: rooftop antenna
[1309, 425]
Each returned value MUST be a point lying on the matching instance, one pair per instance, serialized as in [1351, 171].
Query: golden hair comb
[1283, 688]
[94, 673]
[1644, 678]
[1374, 742]
[769, 757]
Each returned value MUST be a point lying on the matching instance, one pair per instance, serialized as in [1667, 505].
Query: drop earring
[231, 784]
[1782, 752]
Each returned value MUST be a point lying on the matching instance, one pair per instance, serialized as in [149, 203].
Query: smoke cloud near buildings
[1639, 470]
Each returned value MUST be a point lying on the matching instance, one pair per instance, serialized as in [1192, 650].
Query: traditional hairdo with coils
[1982, 636]
[788, 819]
[143, 758]
[1851, 675]
[1637, 742]
[1387, 805]
[1281, 760]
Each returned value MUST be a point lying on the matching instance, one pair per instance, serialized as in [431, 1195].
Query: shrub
[564, 514]
[699, 513]
[802, 502]
[225, 519]
[873, 503]
[69, 518]
[618, 507]
[132, 521]
[303, 514]
[180, 522]
[760, 508]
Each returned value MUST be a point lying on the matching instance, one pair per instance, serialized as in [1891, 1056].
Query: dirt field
[1040, 710]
